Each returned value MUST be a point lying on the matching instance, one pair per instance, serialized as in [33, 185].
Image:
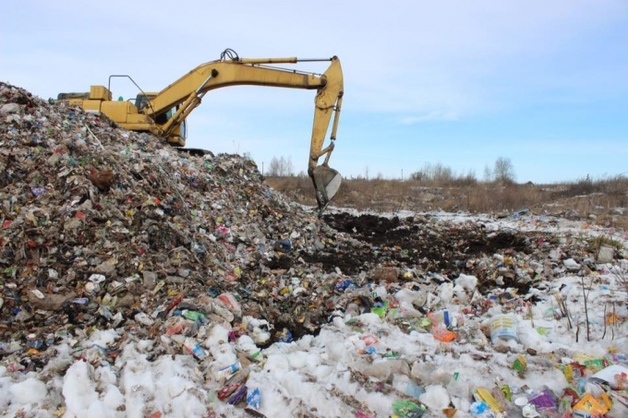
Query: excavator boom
[164, 113]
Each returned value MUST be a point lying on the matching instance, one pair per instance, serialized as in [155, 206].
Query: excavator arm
[164, 113]
[186, 93]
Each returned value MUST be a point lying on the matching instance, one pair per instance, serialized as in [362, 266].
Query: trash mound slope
[100, 225]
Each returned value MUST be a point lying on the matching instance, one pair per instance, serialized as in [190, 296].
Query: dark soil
[445, 249]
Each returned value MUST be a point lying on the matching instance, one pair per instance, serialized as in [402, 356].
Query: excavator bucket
[326, 182]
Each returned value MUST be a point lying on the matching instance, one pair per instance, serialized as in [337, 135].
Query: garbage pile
[107, 227]
[107, 230]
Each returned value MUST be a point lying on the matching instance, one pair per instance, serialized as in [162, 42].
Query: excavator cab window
[166, 116]
[141, 101]
[183, 129]
[163, 118]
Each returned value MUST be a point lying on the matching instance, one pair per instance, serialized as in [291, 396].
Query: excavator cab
[326, 183]
[177, 134]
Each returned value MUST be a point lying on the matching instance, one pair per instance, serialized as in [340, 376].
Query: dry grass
[604, 202]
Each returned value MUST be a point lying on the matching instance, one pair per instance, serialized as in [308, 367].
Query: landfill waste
[124, 261]
[504, 327]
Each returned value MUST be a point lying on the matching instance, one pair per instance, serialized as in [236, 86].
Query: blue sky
[457, 83]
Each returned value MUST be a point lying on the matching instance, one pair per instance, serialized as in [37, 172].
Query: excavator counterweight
[164, 113]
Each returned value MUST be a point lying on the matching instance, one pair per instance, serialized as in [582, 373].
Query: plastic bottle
[443, 318]
[195, 348]
[228, 371]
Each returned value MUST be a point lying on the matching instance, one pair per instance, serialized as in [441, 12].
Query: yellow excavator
[164, 113]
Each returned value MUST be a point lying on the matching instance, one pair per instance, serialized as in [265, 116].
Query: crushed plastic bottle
[226, 372]
[195, 348]
[283, 245]
[442, 318]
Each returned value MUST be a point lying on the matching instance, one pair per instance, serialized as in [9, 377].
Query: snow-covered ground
[393, 361]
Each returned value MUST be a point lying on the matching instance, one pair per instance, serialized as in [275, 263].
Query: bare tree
[488, 174]
[287, 166]
[273, 167]
[280, 167]
[504, 171]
